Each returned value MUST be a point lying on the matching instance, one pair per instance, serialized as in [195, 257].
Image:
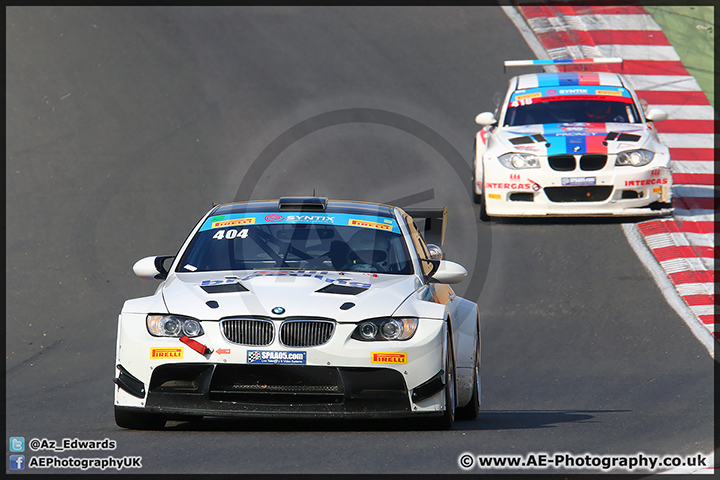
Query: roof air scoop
[302, 204]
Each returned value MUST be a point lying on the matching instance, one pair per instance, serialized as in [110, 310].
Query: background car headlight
[517, 161]
[636, 158]
[173, 326]
[386, 329]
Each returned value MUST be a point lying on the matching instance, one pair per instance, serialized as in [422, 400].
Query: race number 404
[230, 234]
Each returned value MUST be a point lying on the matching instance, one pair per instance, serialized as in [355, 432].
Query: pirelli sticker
[166, 352]
[234, 222]
[393, 358]
[354, 222]
[528, 96]
[608, 92]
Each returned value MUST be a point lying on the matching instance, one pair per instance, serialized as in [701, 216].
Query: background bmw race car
[571, 143]
[300, 307]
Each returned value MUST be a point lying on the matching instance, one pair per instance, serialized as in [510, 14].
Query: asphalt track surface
[124, 125]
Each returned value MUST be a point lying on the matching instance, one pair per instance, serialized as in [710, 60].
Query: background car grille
[567, 163]
[306, 333]
[592, 162]
[596, 193]
[562, 163]
[247, 331]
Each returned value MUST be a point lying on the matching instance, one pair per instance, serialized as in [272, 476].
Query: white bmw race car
[301, 307]
[571, 143]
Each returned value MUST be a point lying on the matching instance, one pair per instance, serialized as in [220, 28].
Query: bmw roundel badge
[278, 310]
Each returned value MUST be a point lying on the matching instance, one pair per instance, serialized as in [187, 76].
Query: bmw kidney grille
[306, 333]
[248, 331]
[293, 333]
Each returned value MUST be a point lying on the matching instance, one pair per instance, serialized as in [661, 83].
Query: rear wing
[565, 62]
[435, 221]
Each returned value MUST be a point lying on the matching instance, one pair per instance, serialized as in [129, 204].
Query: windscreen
[571, 105]
[270, 240]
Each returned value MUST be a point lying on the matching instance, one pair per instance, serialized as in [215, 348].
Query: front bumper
[623, 191]
[342, 378]
[276, 390]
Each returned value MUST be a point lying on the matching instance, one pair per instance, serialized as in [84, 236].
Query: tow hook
[195, 345]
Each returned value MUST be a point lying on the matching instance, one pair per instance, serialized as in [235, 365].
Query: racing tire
[472, 409]
[448, 419]
[660, 205]
[132, 419]
[483, 212]
[477, 198]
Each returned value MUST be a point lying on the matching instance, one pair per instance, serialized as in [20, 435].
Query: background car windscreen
[572, 111]
[588, 104]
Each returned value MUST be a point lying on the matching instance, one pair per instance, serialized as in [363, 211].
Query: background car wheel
[483, 212]
[128, 418]
[476, 198]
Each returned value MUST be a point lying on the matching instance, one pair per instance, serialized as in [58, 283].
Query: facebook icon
[17, 462]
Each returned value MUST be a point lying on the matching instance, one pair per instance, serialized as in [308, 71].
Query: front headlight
[517, 161]
[173, 326]
[636, 158]
[385, 329]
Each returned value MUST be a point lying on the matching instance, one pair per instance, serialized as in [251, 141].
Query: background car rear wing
[565, 62]
[435, 221]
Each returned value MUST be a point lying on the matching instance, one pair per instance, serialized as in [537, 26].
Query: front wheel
[483, 211]
[477, 197]
[472, 409]
[448, 419]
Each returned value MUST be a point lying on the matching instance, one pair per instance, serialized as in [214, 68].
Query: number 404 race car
[571, 143]
[301, 307]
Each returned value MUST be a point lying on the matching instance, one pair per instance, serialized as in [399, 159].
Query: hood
[575, 138]
[345, 297]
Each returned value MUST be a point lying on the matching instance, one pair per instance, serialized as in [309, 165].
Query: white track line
[667, 288]
[526, 33]
[593, 22]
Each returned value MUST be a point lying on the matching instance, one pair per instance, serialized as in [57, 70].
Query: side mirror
[449, 272]
[152, 268]
[435, 252]
[486, 118]
[656, 115]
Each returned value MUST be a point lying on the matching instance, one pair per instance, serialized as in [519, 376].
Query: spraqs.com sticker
[277, 357]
